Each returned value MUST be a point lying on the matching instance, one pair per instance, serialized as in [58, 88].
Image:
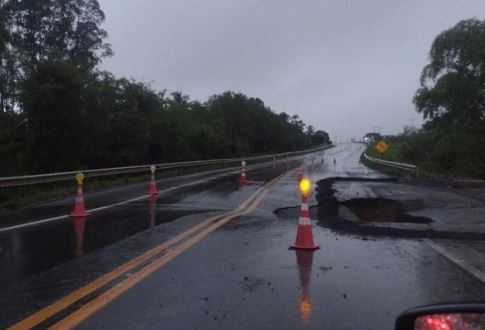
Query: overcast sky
[343, 66]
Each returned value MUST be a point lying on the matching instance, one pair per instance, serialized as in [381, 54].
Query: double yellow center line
[135, 270]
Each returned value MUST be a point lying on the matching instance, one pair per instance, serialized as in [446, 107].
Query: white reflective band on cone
[304, 221]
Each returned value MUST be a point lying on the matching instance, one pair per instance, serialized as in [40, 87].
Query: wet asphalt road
[239, 277]
[32, 250]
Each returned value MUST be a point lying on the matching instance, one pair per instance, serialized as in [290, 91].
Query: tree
[53, 100]
[453, 83]
[284, 116]
[60, 30]
[179, 100]
[452, 100]
[9, 63]
[310, 130]
[59, 112]
[320, 137]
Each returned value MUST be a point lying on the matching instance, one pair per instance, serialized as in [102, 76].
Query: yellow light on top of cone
[305, 186]
[79, 178]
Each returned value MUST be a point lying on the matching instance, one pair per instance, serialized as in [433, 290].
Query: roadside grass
[396, 153]
[393, 154]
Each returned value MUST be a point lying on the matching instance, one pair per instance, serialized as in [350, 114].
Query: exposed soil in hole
[381, 210]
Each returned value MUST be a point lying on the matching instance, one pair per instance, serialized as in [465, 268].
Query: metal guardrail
[402, 166]
[65, 176]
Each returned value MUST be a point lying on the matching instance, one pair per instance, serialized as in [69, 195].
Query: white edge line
[463, 264]
[60, 217]
[101, 208]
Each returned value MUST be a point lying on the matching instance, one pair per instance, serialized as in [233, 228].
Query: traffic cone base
[304, 235]
[297, 247]
[153, 188]
[79, 214]
[304, 239]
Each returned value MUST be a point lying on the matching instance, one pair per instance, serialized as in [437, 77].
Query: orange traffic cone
[244, 179]
[79, 224]
[304, 235]
[300, 174]
[79, 209]
[153, 184]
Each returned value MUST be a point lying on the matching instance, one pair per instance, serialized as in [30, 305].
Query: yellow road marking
[48, 311]
[97, 303]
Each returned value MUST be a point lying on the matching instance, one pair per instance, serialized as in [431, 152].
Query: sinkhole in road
[381, 210]
[364, 210]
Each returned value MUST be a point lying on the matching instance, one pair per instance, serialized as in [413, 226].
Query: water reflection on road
[79, 225]
[304, 259]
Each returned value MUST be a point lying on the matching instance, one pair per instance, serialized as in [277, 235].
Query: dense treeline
[452, 101]
[59, 112]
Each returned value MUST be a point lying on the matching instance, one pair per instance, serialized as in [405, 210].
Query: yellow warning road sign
[382, 146]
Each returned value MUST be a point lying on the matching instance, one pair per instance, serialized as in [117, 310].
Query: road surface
[215, 256]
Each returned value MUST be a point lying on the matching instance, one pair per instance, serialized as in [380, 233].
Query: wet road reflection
[32, 250]
[304, 259]
[79, 224]
[153, 208]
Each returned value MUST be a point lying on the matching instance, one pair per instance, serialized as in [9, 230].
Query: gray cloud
[343, 66]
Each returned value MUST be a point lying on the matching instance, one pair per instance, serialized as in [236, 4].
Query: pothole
[381, 210]
[363, 216]
[371, 216]
[365, 210]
